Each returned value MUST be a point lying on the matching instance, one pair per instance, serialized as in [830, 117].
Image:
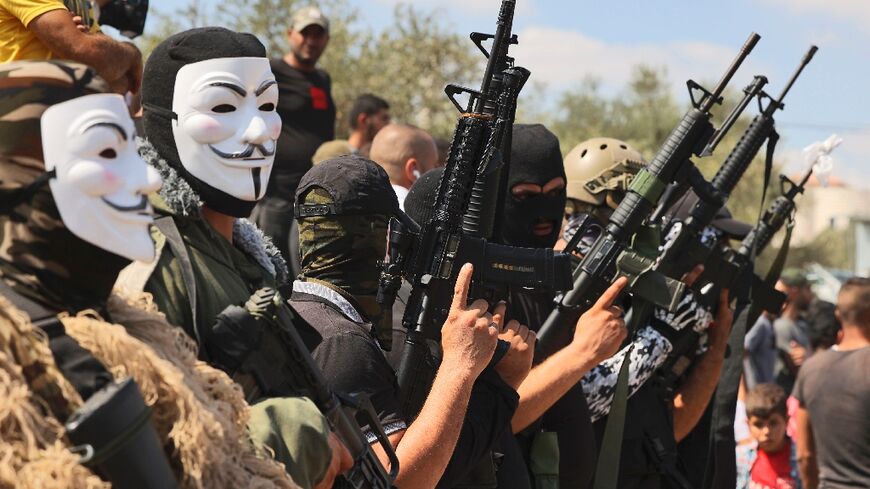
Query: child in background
[769, 462]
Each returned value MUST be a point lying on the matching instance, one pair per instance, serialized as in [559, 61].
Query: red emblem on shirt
[318, 99]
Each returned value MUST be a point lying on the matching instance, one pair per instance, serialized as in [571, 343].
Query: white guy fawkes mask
[101, 183]
[227, 127]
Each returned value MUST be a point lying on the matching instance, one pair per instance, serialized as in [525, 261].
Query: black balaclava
[537, 159]
[158, 87]
[420, 201]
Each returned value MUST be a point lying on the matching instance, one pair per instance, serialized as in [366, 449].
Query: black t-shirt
[350, 359]
[308, 120]
[487, 419]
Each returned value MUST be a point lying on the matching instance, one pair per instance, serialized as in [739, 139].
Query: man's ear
[361, 120]
[412, 169]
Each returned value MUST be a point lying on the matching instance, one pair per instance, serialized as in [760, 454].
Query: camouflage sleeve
[649, 349]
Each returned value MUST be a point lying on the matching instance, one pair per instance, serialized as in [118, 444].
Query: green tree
[409, 64]
[188, 16]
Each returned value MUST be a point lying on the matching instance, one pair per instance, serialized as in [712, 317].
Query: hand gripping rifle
[462, 221]
[671, 164]
[340, 411]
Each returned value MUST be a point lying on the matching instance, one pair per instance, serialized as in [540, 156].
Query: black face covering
[158, 87]
[535, 159]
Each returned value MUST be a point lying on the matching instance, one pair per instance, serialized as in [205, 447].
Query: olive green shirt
[293, 428]
[224, 274]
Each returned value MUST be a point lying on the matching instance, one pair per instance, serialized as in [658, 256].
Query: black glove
[234, 335]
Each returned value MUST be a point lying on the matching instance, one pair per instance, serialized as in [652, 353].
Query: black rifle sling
[768, 169]
[721, 471]
[173, 238]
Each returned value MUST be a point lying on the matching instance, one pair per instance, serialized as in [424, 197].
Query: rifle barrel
[500, 43]
[720, 87]
[804, 62]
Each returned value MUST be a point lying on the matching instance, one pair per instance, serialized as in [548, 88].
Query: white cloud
[561, 58]
[857, 11]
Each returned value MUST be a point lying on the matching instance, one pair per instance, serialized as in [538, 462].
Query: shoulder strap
[37, 312]
[173, 238]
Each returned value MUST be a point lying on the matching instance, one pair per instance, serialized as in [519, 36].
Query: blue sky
[563, 41]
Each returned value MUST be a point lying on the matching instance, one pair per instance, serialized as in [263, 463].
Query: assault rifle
[734, 269]
[340, 411]
[685, 250]
[462, 221]
[671, 164]
[729, 268]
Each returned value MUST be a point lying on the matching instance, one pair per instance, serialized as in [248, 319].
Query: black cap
[357, 185]
[723, 221]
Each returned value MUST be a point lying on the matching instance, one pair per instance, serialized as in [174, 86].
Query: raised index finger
[609, 296]
[460, 290]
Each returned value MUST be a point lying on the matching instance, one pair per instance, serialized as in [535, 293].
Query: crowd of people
[143, 208]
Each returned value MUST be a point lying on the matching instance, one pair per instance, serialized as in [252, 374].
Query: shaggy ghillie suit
[196, 409]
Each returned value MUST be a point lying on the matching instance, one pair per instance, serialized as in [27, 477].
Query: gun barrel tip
[753, 40]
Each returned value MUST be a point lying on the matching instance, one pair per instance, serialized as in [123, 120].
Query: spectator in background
[45, 29]
[760, 351]
[833, 389]
[769, 462]
[405, 152]
[308, 120]
[823, 328]
[790, 328]
[368, 115]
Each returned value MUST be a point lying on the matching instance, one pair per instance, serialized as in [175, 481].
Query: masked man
[599, 173]
[209, 97]
[73, 213]
[343, 207]
[533, 212]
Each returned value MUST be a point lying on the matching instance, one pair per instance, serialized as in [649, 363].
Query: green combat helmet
[599, 172]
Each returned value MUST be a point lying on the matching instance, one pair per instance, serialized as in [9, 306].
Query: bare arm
[597, 336]
[468, 339]
[692, 398]
[806, 450]
[115, 61]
